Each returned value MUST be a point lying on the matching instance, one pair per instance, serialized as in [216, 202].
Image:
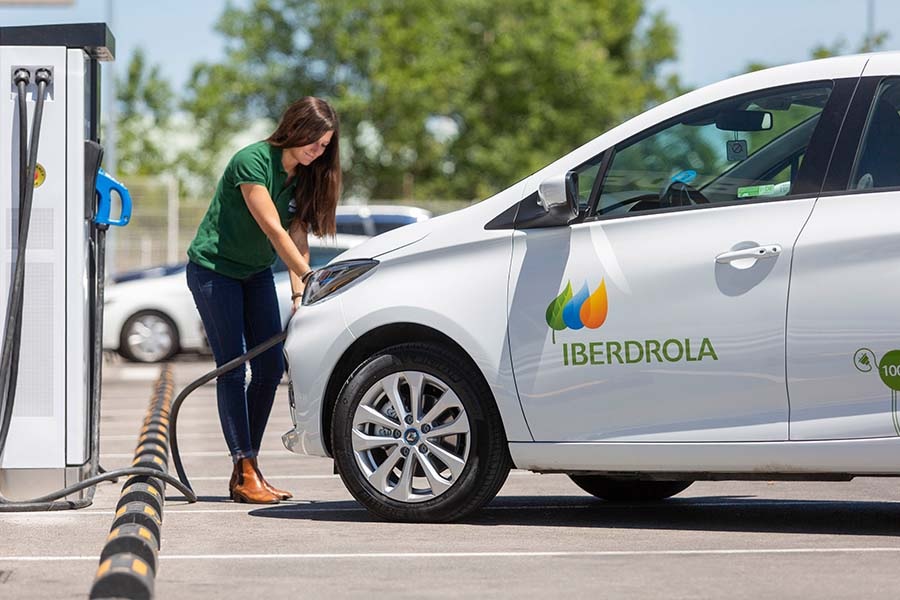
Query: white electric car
[708, 291]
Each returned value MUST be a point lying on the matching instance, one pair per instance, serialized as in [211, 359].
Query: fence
[163, 224]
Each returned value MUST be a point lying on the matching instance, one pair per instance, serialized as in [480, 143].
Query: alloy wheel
[150, 338]
[411, 436]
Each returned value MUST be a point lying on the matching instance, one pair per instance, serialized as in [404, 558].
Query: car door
[660, 316]
[843, 344]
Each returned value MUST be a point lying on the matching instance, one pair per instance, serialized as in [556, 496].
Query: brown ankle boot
[282, 494]
[248, 487]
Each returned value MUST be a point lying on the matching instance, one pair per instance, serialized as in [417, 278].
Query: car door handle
[767, 251]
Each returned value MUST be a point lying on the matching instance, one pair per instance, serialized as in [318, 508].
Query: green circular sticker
[889, 369]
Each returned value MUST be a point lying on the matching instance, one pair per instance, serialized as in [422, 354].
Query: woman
[270, 196]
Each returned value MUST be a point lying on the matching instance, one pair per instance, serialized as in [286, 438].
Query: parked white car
[150, 319]
[375, 219]
[708, 291]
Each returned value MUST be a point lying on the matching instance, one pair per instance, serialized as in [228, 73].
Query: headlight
[330, 279]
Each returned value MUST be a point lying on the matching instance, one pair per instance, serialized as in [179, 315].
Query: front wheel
[416, 438]
[628, 490]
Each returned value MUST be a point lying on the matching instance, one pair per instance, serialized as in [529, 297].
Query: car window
[738, 149]
[388, 222]
[878, 160]
[353, 224]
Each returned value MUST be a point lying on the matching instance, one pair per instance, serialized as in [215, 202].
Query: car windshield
[731, 150]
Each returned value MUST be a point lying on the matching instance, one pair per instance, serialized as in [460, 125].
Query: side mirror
[558, 196]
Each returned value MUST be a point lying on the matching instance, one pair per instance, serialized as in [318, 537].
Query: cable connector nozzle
[22, 76]
[43, 76]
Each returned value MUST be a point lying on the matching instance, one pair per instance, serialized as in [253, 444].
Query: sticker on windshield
[753, 191]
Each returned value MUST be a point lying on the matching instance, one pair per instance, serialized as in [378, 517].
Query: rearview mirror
[558, 196]
[744, 120]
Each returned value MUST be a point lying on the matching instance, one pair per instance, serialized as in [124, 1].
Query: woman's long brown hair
[318, 184]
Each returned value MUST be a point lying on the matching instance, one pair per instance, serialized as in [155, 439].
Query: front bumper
[317, 338]
[293, 439]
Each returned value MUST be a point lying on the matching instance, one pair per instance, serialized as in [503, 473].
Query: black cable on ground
[129, 559]
[176, 406]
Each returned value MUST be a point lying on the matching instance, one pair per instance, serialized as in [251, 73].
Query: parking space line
[509, 554]
[185, 436]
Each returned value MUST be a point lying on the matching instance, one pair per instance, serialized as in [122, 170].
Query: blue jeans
[233, 312]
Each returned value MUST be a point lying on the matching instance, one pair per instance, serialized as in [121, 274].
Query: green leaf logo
[555, 310]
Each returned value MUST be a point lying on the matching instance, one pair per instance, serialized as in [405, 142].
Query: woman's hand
[296, 304]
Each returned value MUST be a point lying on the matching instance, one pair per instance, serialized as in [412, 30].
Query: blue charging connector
[106, 185]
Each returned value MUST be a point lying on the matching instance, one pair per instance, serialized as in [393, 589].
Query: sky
[716, 38]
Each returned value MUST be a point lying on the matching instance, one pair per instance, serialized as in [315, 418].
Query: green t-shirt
[229, 241]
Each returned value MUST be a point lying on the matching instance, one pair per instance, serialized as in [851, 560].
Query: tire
[378, 448]
[148, 336]
[628, 490]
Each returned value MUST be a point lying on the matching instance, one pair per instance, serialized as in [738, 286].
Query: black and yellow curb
[123, 576]
[129, 559]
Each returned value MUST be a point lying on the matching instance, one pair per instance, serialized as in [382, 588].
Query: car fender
[438, 289]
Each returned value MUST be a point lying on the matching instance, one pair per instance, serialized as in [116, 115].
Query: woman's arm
[300, 238]
[266, 215]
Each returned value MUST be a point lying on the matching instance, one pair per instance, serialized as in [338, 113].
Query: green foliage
[439, 99]
[145, 102]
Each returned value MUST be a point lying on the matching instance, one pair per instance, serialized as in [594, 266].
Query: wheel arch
[376, 340]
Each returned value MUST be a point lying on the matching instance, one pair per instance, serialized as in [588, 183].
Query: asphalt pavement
[541, 537]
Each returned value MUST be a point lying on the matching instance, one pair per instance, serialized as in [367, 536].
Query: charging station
[53, 424]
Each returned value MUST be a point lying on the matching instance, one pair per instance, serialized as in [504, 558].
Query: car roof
[366, 210]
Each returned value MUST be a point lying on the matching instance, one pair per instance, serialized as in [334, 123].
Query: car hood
[390, 241]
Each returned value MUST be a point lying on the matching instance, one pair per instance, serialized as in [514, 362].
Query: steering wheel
[678, 193]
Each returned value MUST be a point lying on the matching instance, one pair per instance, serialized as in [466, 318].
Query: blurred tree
[145, 103]
[453, 99]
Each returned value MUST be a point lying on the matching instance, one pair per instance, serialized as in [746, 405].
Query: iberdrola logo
[584, 309]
